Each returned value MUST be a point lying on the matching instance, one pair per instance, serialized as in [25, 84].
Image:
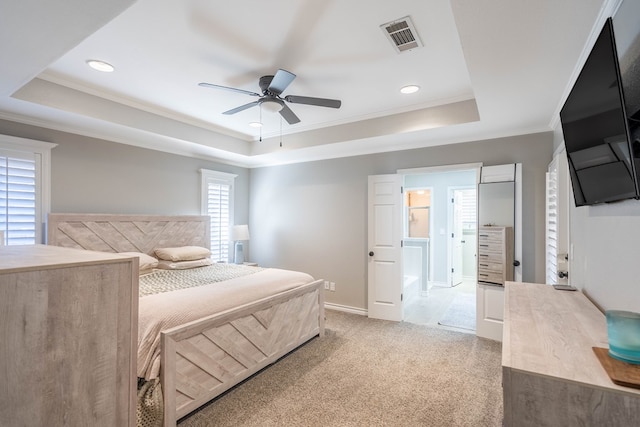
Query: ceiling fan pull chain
[260, 122]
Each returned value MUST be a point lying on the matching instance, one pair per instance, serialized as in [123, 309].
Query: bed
[198, 342]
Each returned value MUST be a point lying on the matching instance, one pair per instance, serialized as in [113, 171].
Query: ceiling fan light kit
[272, 105]
[270, 99]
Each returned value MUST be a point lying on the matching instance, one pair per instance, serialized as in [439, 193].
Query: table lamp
[239, 233]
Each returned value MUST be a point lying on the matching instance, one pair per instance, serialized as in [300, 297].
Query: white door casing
[455, 236]
[385, 247]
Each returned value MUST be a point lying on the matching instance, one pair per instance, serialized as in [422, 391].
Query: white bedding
[166, 310]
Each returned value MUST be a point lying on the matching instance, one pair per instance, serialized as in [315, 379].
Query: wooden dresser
[550, 374]
[495, 254]
[68, 336]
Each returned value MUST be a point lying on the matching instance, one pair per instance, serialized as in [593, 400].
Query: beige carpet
[368, 372]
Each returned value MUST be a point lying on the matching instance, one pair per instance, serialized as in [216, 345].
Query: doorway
[443, 259]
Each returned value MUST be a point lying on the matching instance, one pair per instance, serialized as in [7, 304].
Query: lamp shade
[240, 232]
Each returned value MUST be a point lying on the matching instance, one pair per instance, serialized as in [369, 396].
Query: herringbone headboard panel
[127, 233]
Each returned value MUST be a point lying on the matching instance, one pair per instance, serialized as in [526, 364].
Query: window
[24, 189]
[217, 202]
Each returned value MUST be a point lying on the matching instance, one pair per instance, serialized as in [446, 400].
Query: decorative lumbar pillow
[147, 262]
[183, 253]
[183, 265]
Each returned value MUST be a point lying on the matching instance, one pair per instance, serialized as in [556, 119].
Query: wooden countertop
[28, 257]
[551, 333]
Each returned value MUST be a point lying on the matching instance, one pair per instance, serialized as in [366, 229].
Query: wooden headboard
[127, 233]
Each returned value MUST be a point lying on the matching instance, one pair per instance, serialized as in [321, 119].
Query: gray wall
[605, 238]
[313, 216]
[95, 176]
[308, 216]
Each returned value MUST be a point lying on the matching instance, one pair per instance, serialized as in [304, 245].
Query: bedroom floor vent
[402, 34]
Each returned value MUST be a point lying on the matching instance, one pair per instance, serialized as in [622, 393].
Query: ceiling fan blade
[242, 107]
[280, 81]
[321, 102]
[232, 89]
[289, 115]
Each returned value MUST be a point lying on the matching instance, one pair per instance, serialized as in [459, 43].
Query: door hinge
[452, 270]
[401, 189]
[401, 297]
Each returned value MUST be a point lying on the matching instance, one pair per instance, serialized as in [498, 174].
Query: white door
[490, 298]
[385, 247]
[456, 238]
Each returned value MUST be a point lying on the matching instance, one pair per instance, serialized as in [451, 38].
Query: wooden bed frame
[204, 358]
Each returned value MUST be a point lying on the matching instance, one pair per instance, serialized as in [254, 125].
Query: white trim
[217, 175]
[517, 276]
[451, 227]
[345, 309]
[19, 144]
[443, 168]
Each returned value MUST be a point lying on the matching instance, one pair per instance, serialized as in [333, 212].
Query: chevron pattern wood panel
[217, 358]
[127, 233]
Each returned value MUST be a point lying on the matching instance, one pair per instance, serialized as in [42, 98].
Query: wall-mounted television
[596, 129]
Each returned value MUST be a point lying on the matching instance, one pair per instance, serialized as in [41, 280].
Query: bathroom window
[417, 206]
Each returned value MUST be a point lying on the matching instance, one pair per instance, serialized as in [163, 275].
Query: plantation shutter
[552, 224]
[469, 208]
[18, 197]
[217, 203]
[218, 208]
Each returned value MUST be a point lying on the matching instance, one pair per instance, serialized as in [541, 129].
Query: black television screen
[596, 129]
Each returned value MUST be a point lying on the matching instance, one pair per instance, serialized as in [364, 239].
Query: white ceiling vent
[402, 34]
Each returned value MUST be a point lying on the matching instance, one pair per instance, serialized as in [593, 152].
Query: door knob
[371, 253]
[563, 274]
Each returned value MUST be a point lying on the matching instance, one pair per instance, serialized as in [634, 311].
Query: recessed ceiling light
[410, 89]
[255, 124]
[100, 65]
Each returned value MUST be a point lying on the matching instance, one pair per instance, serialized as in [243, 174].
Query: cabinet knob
[371, 253]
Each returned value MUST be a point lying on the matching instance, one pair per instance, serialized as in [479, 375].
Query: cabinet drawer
[490, 277]
[487, 256]
[494, 267]
[489, 234]
[490, 246]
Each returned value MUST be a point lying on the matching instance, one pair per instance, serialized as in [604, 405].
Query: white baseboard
[345, 308]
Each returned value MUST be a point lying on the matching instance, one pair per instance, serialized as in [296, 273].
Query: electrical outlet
[326, 285]
[332, 286]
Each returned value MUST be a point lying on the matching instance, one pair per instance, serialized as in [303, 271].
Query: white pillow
[183, 265]
[147, 262]
[183, 253]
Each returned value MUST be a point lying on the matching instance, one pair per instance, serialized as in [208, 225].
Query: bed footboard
[203, 359]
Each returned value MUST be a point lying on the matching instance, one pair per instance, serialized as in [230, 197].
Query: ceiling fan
[272, 87]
